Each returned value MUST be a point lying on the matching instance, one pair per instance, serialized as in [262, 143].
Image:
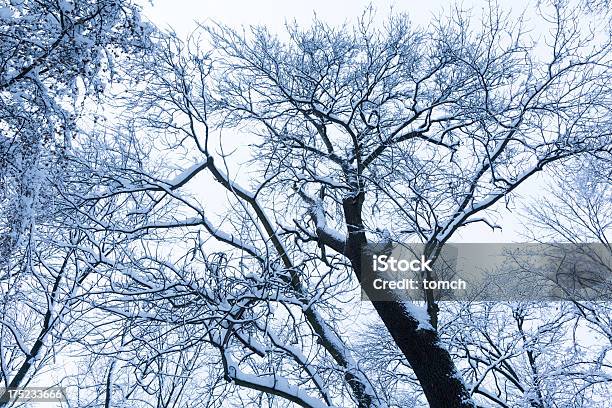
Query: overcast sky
[181, 14]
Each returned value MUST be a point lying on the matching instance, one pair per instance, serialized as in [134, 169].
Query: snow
[17, 336]
[187, 175]
[420, 314]
[66, 6]
[350, 364]
[321, 222]
[272, 382]
[6, 13]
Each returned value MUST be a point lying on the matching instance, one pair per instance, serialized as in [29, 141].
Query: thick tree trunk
[430, 361]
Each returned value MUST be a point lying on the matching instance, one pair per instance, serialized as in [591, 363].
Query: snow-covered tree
[358, 134]
[56, 57]
[214, 226]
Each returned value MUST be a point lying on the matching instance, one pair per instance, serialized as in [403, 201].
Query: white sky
[180, 14]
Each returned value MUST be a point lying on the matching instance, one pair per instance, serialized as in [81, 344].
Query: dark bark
[430, 361]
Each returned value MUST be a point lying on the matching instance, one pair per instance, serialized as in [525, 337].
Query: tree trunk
[431, 362]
